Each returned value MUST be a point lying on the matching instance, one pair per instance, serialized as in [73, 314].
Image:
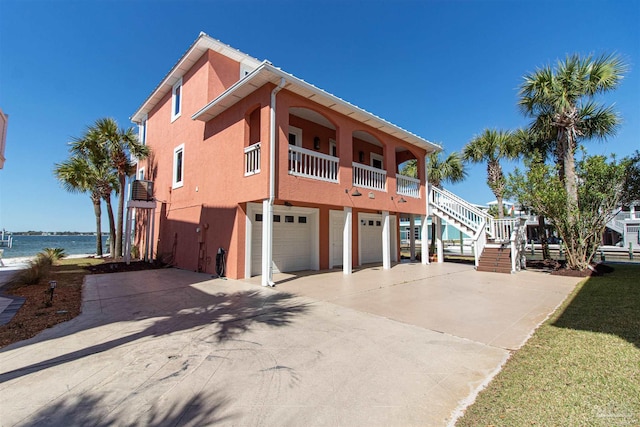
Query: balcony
[369, 177]
[407, 186]
[310, 164]
[252, 159]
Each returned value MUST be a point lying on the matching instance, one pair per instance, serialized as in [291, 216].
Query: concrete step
[494, 269]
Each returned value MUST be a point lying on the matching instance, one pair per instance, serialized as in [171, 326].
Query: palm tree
[106, 181]
[561, 103]
[77, 175]
[122, 146]
[492, 146]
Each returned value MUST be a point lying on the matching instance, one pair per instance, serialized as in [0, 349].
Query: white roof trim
[203, 43]
[267, 73]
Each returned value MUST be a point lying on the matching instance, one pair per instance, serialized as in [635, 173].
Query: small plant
[53, 254]
[37, 270]
[135, 252]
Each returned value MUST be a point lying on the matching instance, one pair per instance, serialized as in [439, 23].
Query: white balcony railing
[252, 159]
[408, 186]
[310, 164]
[369, 177]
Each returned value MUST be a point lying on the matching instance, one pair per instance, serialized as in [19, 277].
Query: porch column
[424, 237]
[438, 237]
[386, 241]
[632, 211]
[267, 243]
[127, 237]
[151, 239]
[412, 237]
[347, 239]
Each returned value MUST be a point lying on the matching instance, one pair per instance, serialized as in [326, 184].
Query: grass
[39, 312]
[581, 367]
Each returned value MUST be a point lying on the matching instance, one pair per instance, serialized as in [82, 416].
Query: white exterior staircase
[487, 231]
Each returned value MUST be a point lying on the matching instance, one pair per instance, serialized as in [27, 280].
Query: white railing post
[252, 159]
[310, 164]
[369, 177]
[408, 186]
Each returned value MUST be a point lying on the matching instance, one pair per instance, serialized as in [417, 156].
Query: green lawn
[581, 368]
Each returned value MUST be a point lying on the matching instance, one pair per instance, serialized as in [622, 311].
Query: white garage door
[293, 241]
[370, 238]
[336, 228]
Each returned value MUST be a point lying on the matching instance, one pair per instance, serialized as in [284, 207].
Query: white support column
[347, 241]
[147, 240]
[438, 237]
[127, 238]
[386, 241]
[632, 211]
[412, 237]
[424, 237]
[267, 243]
[150, 238]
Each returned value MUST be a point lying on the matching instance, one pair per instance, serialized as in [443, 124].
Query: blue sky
[444, 70]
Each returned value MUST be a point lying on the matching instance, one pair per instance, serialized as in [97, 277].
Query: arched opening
[369, 164]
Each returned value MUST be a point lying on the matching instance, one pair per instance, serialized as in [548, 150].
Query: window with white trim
[377, 161]
[176, 100]
[178, 166]
[141, 174]
[142, 131]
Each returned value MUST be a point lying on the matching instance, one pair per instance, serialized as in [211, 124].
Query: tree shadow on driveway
[232, 314]
[92, 409]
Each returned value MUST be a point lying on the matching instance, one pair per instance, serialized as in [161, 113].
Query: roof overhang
[197, 49]
[267, 73]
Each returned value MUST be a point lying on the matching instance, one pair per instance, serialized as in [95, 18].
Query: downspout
[267, 279]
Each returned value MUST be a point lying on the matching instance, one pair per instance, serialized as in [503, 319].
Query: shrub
[53, 254]
[37, 270]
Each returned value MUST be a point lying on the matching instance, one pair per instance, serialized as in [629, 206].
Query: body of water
[28, 246]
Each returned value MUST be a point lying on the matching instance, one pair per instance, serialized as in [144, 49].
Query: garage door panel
[370, 238]
[292, 243]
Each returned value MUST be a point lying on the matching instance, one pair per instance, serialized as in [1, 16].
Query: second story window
[178, 166]
[176, 100]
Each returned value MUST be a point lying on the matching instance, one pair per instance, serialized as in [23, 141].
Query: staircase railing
[461, 210]
[479, 242]
[518, 242]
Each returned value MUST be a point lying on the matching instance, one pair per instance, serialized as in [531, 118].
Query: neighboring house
[280, 174]
[449, 232]
[4, 120]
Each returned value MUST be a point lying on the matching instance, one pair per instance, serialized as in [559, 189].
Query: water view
[28, 246]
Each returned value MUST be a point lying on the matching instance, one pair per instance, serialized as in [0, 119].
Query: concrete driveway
[407, 346]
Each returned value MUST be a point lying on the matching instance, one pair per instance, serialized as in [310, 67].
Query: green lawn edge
[580, 368]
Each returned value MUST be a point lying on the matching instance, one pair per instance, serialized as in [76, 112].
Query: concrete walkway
[401, 347]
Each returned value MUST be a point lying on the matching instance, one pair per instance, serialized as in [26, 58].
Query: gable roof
[203, 43]
[264, 72]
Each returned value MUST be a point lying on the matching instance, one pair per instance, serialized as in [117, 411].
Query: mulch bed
[559, 268]
[122, 267]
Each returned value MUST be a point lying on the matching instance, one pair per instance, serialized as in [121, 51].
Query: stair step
[493, 269]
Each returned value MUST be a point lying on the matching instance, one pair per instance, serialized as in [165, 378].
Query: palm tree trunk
[570, 180]
[500, 206]
[112, 225]
[120, 226]
[542, 233]
[98, 212]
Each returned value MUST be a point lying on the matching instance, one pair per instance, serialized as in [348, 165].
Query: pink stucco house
[281, 174]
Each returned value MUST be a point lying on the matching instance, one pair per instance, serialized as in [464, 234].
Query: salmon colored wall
[310, 130]
[297, 189]
[215, 190]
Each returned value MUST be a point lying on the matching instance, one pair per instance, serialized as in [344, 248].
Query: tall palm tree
[492, 146]
[560, 101]
[106, 181]
[122, 146]
[77, 175]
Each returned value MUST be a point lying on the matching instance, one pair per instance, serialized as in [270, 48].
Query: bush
[38, 268]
